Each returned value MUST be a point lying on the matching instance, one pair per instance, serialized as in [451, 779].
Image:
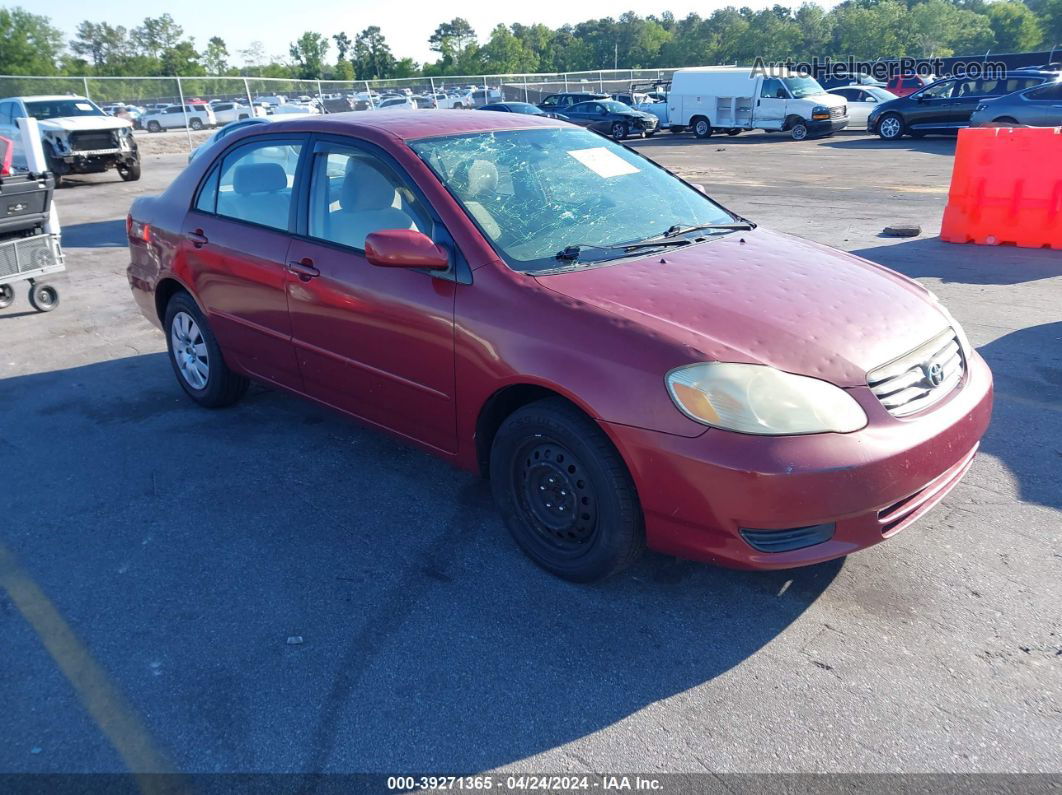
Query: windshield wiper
[679, 229]
[573, 251]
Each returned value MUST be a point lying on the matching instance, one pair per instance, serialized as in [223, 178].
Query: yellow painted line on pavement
[113, 715]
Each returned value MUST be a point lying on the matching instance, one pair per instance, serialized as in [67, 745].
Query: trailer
[29, 226]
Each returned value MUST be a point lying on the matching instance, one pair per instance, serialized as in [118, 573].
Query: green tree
[156, 34]
[451, 40]
[504, 53]
[31, 44]
[215, 57]
[101, 45]
[309, 54]
[1014, 25]
[343, 44]
[181, 59]
[372, 55]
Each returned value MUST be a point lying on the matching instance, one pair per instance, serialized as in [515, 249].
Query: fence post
[318, 89]
[525, 88]
[601, 81]
[565, 82]
[184, 112]
[250, 102]
[368, 93]
[434, 98]
[84, 81]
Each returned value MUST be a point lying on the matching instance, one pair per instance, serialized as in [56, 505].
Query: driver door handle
[198, 238]
[304, 269]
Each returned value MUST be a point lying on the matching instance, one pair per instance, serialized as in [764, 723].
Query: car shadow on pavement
[965, 263]
[1026, 429]
[277, 589]
[935, 145]
[95, 234]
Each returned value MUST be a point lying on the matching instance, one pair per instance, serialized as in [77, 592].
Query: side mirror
[405, 248]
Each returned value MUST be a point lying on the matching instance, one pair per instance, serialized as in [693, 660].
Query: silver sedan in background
[861, 100]
[1040, 106]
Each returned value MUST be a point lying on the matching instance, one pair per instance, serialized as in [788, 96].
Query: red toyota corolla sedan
[630, 363]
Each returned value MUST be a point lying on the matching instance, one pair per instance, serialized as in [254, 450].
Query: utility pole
[615, 57]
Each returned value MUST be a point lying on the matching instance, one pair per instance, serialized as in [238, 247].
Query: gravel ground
[181, 549]
[169, 141]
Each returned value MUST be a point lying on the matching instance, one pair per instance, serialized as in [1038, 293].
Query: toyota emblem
[935, 374]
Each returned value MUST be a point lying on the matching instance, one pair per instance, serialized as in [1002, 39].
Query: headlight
[820, 112]
[753, 398]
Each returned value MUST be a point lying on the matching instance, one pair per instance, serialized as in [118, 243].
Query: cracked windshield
[539, 193]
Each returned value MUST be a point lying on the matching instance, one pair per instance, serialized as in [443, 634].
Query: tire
[195, 124]
[619, 130]
[7, 295]
[243, 116]
[798, 131]
[43, 297]
[733, 131]
[650, 133]
[702, 128]
[891, 127]
[130, 173]
[1005, 120]
[548, 457]
[218, 386]
[153, 126]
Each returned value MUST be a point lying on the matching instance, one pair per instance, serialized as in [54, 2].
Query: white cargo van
[731, 99]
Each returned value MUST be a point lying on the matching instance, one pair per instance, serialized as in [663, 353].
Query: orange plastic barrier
[1006, 188]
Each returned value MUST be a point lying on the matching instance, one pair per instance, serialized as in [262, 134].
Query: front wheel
[43, 297]
[799, 131]
[702, 128]
[890, 127]
[196, 357]
[196, 124]
[619, 131]
[131, 172]
[564, 492]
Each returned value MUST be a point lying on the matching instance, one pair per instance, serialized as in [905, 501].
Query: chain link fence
[279, 95]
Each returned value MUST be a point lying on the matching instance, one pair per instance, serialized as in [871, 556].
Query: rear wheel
[196, 124]
[702, 128]
[565, 493]
[1005, 120]
[154, 126]
[196, 358]
[891, 127]
[7, 295]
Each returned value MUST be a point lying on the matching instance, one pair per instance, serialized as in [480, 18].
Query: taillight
[137, 230]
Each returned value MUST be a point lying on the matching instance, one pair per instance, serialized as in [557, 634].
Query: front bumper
[698, 493]
[827, 126]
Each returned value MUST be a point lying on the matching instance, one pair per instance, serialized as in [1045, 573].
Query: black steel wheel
[43, 297]
[7, 295]
[565, 493]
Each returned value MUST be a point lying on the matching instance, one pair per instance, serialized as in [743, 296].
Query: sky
[406, 25]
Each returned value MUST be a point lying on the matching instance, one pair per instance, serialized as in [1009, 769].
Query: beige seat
[366, 204]
[259, 194]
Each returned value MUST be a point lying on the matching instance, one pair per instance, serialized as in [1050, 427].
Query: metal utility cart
[29, 248]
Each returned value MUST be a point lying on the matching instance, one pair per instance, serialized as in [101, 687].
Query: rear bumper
[698, 493]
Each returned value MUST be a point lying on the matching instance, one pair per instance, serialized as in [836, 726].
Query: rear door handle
[304, 269]
[198, 238]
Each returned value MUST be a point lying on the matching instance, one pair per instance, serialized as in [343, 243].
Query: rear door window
[255, 183]
[1048, 93]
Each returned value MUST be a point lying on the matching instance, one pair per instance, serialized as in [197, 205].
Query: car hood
[765, 298]
[74, 123]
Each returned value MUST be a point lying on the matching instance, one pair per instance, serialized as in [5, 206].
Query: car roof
[49, 97]
[408, 126]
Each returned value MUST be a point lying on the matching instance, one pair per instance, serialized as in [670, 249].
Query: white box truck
[707, 99]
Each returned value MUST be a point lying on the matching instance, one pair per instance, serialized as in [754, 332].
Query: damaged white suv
[78, 137]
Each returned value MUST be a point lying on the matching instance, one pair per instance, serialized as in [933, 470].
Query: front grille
[88, 140]
[839, 113]
[919, 379]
